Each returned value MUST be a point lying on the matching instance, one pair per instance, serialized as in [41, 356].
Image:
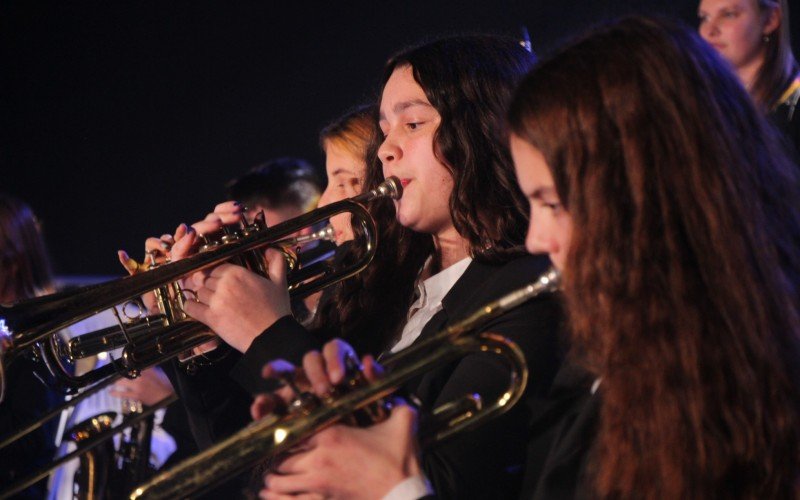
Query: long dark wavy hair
[24, 266]
[681, 277]
[469, 80]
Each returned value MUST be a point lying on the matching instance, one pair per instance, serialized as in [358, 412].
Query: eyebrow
[724, 6]
[404, 105]
[543, 191]
[342, 170]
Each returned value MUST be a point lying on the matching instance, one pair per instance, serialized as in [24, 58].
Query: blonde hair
[351, 132]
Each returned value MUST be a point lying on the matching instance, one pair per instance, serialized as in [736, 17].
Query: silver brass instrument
[30, 322]
[275, 434]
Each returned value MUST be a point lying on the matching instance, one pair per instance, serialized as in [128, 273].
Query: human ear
[772, 20]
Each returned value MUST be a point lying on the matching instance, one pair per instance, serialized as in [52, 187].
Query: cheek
[339, 221]
[539, 229]
[342, 227]
[352, 190]
[441, 183]
[564, 237]
[745, 36]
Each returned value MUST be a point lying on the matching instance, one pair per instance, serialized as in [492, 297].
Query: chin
[403, 218]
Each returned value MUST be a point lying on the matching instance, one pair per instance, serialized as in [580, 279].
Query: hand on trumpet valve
[187, 239]
[323, 373]
[341, 461]
[238, 304]
[157, 252]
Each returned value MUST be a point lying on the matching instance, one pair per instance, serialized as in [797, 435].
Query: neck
[451, 247]
[749, 72]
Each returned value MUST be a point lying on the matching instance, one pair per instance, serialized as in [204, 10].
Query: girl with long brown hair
[656, 187]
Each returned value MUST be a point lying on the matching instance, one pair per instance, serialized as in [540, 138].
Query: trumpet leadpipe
[325, 234]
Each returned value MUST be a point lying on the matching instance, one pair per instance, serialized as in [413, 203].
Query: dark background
[122, 119]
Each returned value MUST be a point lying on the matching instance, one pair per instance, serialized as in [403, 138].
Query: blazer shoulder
[483, 282]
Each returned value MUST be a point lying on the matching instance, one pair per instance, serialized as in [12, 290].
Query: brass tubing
[25, 323]
[110, 338]
[90, 444]
[274, 434]
[29, 321]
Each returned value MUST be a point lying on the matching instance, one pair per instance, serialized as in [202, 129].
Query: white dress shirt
[410, 489]
[430, 293]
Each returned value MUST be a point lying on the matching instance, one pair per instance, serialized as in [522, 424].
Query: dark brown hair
[780, 66]
[278, 183]
[469, 81]
[24, 265]
[682, 271]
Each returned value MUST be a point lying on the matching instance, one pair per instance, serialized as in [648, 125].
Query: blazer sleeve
[487, 462]
[217, 397]
[215, 405]
[286, 339]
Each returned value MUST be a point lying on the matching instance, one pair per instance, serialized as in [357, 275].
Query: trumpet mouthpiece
[392, 188]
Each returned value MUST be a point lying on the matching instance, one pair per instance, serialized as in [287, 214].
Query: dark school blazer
[483, 463]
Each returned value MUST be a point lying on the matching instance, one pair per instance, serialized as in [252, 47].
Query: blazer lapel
[458, 301]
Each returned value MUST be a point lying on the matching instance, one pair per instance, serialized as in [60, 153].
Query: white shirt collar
[431, 292]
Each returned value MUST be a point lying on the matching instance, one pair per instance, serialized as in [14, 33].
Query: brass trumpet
[275, 434]
[30, 322]
[140, 327]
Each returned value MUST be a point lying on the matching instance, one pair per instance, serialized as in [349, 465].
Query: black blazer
[561, 438]
[484, 463]
[487, 462]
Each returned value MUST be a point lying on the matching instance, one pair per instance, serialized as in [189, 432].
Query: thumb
[276, 266]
